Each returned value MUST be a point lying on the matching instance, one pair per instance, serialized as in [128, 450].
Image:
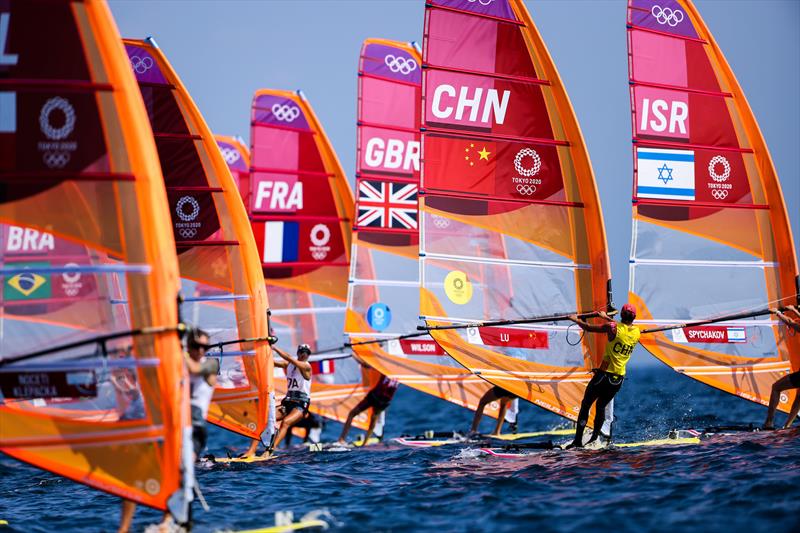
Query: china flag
[493, 169]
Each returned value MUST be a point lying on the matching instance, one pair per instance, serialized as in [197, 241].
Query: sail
[710, 230]
[385, 258]
[89, 275]
[301, 210]
[237, 156]
[223, 286]
[511, 225]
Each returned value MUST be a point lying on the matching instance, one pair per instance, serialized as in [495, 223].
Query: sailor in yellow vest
[607, 380]
[790, 381]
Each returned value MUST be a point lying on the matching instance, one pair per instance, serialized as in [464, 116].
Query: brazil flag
[28, 285]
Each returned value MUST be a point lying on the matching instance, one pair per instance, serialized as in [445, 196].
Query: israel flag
[281, 242]
[665, 174]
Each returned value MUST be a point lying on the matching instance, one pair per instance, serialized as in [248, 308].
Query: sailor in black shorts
[494, 394]
[378, 399]
[790, 381]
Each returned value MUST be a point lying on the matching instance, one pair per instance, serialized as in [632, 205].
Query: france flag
[281, 242]
[665, 174]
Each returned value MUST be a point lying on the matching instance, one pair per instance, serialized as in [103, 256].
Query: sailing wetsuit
[298, 391]
[380, 396]
[605, 384]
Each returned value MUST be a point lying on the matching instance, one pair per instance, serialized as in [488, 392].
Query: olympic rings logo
[231, 155]
[403, 65]
[187, 233]
[712, 168]
[56, 159]
[320, 235]
[440, 222]
[63, 105]
[285, 113]
[527, 190]
[666, 15]
[481, 2]
[180, 205]
[537, 162]
[141, 65]
[719, 194]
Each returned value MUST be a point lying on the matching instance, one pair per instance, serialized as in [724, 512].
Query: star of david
[661, 175]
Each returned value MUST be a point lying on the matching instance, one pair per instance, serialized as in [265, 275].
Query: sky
[224, 51]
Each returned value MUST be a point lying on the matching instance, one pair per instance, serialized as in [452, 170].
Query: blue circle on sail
[379, 316]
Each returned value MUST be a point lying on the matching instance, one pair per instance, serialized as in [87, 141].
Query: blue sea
[748, 482]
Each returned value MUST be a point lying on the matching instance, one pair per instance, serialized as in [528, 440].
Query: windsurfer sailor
[607, 380]
[378, 399]
[790, 381]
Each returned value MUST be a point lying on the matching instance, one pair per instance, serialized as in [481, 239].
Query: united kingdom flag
[384, 204]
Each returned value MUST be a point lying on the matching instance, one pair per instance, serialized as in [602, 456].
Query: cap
[629, 309]
[304, 348]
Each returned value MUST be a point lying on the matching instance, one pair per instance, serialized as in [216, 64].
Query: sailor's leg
[600, 413]
[128, 510]
[589, 398]
[485, 399]
[380, 424]
[376, 413]
[501, 415]
[606, 431]
[286, 424]
[779, 386]
[360, 407]
[793, 412]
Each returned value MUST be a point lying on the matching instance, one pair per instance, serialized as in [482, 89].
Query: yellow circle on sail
[457, 287]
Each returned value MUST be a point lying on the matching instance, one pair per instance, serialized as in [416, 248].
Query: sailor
[378, 399]
[607, 380]
[294, 405]
[791, 381]
[202, 378]
[494, 394]
[312, 424]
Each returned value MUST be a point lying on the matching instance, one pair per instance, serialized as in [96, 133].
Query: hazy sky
[224, 51]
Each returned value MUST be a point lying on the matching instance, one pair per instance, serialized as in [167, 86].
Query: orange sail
[511, 225]
[223, 285]
[89, 272]
[711, 235]
[301, 210]
[385, 263]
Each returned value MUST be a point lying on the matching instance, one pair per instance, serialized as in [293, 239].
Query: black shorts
[199, 431]
[377, 403]
[794, 379]
[289, 404]
[500, 392]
